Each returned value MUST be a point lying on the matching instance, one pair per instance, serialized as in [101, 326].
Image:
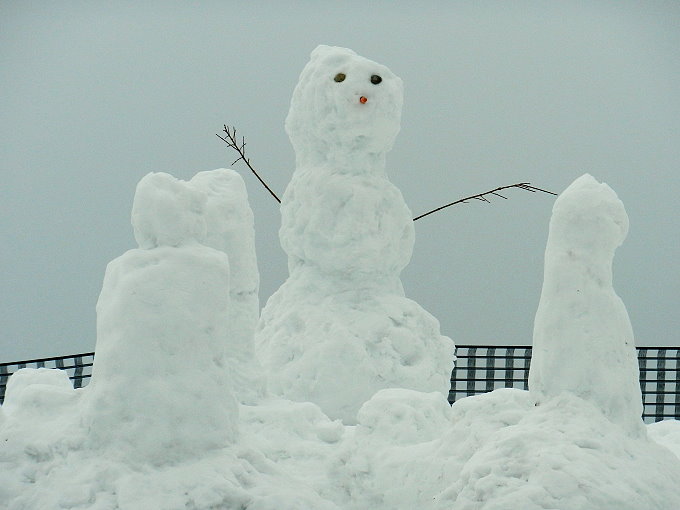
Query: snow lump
[583, 339]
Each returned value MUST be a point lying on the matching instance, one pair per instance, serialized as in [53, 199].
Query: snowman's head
[344, 102]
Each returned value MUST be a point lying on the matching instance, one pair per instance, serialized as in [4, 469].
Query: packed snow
[340, 328]
[336, 399]
[581, 324]
[210, 211]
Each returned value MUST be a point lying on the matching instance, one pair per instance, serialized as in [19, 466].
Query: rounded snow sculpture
[211, 209]
[583, 339]
[162, 384]
[340, 329]
[230, 229]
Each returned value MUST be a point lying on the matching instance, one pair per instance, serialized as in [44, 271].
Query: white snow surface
[162, 313]
[165, 424]
[409, 450]
[340, 328]
[210, 211]
[583, 340]
[666, 433]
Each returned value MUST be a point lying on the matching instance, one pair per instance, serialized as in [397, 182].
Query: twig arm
[232, 142]
[230, 139]
[483, 196]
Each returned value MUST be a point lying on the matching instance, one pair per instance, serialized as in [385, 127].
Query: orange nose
[363, 99]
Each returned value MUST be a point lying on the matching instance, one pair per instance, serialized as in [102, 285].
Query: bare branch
[230, 140]
[483, 196]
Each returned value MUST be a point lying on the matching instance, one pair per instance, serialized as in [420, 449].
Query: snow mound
[666, 433]
[391, 459]
[162, 326]
[566, 454]
[38, 390]
[338, 349]
[499, 451]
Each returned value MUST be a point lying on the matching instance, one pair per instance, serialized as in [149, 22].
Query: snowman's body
[340, 329]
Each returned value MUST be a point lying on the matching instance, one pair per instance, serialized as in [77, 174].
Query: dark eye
[340, 77]
[375, 79]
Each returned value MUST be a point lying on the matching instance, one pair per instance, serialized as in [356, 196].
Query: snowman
[340, 328]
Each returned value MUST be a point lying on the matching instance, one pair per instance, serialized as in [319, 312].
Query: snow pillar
[160, 389]
[583, 339]
[230, 229]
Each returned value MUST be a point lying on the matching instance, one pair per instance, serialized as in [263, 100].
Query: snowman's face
[345, 102]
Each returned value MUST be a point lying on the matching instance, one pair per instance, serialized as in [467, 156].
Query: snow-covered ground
[336, 399]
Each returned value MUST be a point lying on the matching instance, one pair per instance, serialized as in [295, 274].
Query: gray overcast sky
[94, 95]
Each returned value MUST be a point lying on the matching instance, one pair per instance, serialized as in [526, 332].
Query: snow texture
[666, 433]
[340, 328]
[565, 454]
[498, 451]
[165, 325]
[230, 229]
[583, 339]
[162, 322]
[211, 210]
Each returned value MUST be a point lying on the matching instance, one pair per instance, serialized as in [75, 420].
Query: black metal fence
[483, 368]
[478, 369]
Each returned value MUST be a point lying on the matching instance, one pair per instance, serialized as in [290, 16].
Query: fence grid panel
[483, 368]
[478, 369]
